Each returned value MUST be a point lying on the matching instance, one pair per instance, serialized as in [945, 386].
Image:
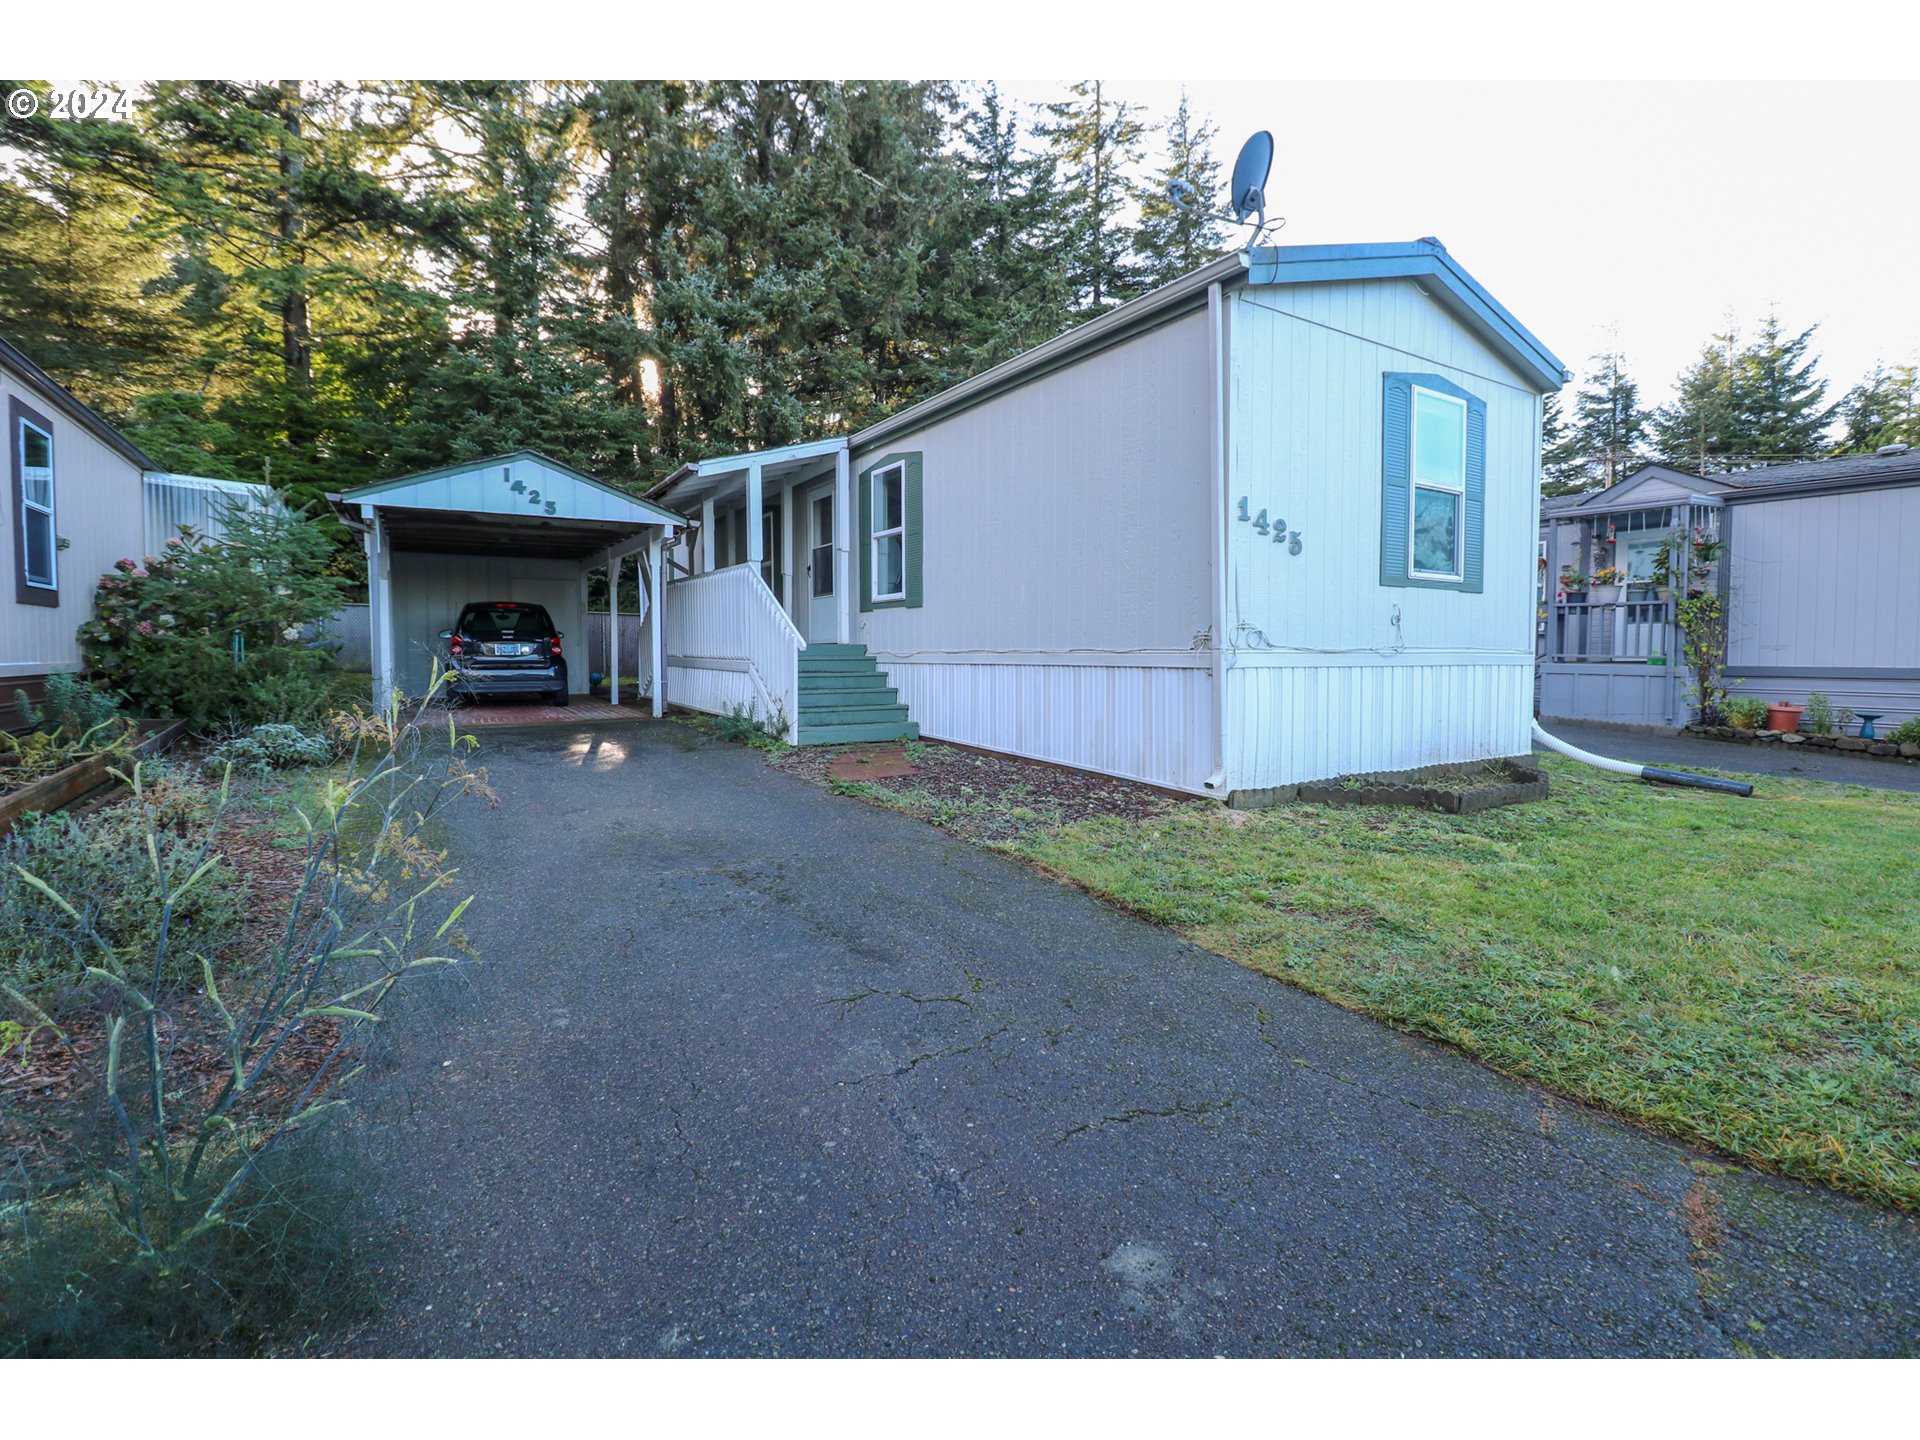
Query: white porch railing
[729, 644]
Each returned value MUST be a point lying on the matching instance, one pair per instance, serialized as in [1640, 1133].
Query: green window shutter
[863, 535]
[1396, 434]
[914, 587]
[1475, 538]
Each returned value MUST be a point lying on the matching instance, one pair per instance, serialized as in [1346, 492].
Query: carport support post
[379, 606]
[613, 628]
[657, 571]
[756, 549]
[706, 536]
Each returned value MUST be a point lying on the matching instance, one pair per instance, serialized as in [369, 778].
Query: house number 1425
[1278, 529]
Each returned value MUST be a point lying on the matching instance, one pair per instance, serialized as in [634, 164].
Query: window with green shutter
[891, 548]
[1433, 483]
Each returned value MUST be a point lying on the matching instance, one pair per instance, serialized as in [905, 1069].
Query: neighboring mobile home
[1270, 523]
[79, 497]
[1819, 593]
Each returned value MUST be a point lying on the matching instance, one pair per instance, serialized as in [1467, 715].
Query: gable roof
[1423, 259]
[62, 399]
[436, 490]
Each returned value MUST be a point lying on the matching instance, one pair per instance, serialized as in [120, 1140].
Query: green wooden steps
[844, 697]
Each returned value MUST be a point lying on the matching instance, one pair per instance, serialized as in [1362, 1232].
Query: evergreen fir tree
[1174, 239]
[1561, 470]
[1777, 397]
[1016, 226]
[1609, 427]
[1095, 143]
[1883, 409]
[1699, 428]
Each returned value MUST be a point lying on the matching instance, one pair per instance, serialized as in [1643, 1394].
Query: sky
[1648, 209]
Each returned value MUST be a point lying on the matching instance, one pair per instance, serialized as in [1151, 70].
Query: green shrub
[273, 747]
[742, 726]
[104, 871]
[216, 630]
[1745, 711]
[1819, 714]
[1906, 733]
[73, 706]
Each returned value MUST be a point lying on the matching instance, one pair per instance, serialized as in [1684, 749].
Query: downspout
[1217, 508]
[1650, 773]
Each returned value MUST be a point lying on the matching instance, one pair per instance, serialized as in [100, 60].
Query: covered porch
[760, 613]
[1611, 646]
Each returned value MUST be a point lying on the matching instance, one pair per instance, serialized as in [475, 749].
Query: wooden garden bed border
[83, 777]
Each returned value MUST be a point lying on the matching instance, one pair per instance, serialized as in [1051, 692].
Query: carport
[520, 527]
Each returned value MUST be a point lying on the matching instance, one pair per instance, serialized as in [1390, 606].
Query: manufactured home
[1810, 560]
[80, 496]
[1273, 522]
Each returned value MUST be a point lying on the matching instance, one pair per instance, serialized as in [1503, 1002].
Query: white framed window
[1437, 496]
[890, 533]
[36, 508]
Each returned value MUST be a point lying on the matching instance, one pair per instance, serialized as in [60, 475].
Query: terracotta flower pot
[1785, 718]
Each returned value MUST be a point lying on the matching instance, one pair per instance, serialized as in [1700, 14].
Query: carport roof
[520, 503]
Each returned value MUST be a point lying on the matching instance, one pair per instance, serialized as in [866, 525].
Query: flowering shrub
[213, 629]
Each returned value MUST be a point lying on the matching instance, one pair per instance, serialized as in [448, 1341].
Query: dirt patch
[1700, 1214]
[995, 799]
[870, 762]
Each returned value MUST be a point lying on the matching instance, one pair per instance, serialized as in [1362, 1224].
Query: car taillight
[456, 647]
[553, 647]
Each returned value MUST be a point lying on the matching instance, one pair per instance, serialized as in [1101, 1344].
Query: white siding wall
[1067, 567]
[429, 591]
[97, 510]
[1320, 681]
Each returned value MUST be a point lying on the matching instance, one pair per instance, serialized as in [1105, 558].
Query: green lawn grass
[1741, 973]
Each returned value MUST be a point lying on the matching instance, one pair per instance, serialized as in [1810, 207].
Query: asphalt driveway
[754, 1070]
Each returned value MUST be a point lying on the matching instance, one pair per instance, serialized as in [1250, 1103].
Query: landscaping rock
[1825, 742]
[1794, 739]
[1851, 742]
[1881, 747]
[1911, 751]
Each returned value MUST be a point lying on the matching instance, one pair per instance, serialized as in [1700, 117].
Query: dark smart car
[502, 647]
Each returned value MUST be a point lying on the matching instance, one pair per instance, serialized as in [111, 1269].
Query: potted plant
[1784, 716]
[1608, 585]
[1745, 713]
[1573, 585]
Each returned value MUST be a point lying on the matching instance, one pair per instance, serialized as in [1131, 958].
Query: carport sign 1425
[520, 487]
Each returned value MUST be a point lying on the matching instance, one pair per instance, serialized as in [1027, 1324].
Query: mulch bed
[998, 799]
[44, 1102]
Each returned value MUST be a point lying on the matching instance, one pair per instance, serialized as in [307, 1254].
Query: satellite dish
[1250, 171]
[1180, 194]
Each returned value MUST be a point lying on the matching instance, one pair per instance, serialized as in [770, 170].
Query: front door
[822, 583]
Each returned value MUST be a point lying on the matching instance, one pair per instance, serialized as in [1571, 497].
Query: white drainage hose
[1651, 773]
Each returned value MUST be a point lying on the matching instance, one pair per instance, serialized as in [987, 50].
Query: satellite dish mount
[1247, 200]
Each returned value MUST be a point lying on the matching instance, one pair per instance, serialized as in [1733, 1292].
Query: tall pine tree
[1609, 425]
[1883, 409]
[1175, 238]
[1095, 142]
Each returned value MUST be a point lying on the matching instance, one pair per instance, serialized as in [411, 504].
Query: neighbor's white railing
[729, 644]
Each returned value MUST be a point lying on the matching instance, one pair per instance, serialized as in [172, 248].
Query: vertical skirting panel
[1142, 722]
[1291, 723]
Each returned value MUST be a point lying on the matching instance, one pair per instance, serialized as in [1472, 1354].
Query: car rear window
[497, 622]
